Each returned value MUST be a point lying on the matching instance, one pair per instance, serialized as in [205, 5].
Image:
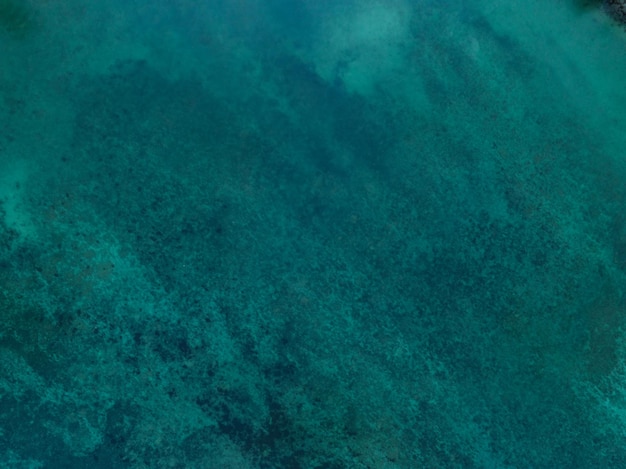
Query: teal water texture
[312, 234]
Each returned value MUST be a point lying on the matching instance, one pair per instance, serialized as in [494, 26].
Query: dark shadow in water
[616, 9]
[16, 17]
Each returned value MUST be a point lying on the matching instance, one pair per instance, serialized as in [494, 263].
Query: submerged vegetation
[345, 235]
[616, 9]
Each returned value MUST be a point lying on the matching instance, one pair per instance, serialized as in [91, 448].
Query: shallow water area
[312, 234]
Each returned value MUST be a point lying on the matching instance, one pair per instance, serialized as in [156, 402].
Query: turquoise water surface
[322, 234]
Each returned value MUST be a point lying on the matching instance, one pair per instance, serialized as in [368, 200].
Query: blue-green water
[312, 234]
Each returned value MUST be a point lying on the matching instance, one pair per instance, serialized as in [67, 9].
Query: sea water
[312, 234]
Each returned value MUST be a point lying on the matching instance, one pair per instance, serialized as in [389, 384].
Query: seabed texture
[372, 234]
